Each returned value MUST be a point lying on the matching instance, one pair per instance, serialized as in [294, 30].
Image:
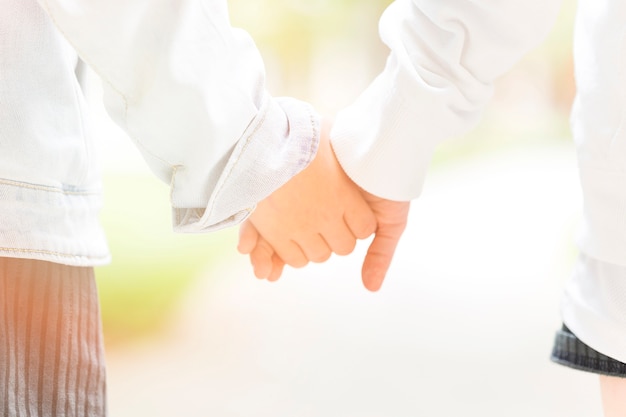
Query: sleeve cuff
[386, 138]
[280, 142]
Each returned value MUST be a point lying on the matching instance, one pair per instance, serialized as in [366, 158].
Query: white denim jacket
[187, 88]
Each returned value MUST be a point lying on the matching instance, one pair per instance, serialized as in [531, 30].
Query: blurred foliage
[152, 266]
[531, 102]
[294, 38]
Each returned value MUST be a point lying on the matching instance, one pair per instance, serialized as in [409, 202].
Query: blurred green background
[152, 266]
[325, 52]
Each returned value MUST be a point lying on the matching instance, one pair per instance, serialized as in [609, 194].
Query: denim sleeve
[189, 90]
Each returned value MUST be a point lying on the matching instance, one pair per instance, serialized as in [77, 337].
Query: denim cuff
[569, 351]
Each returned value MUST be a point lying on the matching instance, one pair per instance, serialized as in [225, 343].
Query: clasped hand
[318, 212]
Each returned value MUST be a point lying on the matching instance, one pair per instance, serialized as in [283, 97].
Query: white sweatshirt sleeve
[445, 56]
[190, 91]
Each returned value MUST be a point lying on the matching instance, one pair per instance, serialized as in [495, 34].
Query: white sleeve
[445, 55]
[190, 91]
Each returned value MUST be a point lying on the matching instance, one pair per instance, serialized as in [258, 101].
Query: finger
[277, 268]
[248, 237]
[261, 258]
[291, 253]
[360, 220]
[379, 255]
[340, 239]
[315, 248]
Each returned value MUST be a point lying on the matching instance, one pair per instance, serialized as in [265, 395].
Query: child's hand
[391, 217]
[314, 204]
[316, 213]
[266, 263]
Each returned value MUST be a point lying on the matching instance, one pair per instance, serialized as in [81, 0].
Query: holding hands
[318, 212]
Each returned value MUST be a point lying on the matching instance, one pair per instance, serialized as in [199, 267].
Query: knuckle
[321, 257]
[365, 229]
[298, 262]
[346, 248]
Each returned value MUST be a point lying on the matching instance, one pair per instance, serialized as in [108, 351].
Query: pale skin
[319, 212]
[613, 396]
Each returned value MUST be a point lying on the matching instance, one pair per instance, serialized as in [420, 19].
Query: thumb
[380, 254]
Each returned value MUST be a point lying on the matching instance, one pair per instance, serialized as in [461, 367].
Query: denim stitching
[45, 188]
[48, 252]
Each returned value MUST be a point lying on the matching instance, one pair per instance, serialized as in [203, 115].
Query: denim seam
[53, 253]
[19, 184]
